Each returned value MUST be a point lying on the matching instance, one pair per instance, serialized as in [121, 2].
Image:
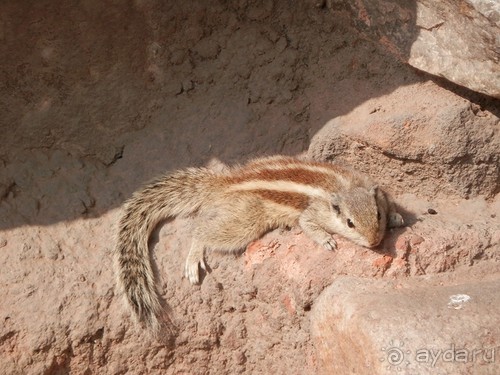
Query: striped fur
[235, 206]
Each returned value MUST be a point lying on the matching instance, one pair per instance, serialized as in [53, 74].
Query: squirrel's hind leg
[226, 228]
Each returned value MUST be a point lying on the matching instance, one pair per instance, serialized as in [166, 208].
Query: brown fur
[295, 200]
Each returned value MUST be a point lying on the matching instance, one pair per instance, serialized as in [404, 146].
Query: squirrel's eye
[336, 208]
[350, 224]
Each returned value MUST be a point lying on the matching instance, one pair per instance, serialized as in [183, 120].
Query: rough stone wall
[456, 40]
[99, 97]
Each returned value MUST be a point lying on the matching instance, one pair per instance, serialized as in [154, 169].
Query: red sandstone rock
[99, 98]
[454, 40]
[360, 326]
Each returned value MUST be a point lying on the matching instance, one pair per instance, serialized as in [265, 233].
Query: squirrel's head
[361, 215]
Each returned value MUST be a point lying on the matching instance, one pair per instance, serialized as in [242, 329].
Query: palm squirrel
[235, 206]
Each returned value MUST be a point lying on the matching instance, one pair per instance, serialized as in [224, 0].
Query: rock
[455, 40]
[359, 326]
[99, 99]
[459, 41]
[425, 138]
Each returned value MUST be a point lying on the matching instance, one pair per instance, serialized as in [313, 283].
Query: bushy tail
[177, 194]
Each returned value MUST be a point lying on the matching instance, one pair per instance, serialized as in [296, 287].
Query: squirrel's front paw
[192, 271]
[330, 244]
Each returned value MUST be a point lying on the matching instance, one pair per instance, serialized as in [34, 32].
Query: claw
[330, 244]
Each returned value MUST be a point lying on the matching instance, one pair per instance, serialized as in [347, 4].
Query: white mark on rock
[457, 301]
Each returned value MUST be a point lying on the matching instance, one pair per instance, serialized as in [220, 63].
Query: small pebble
[432, 211]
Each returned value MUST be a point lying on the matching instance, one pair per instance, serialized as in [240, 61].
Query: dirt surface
[98, 98]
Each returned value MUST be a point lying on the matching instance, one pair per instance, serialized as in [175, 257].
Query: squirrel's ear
[335, 200]
[373, 190]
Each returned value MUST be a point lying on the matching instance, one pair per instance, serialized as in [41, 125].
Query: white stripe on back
[279, 185]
